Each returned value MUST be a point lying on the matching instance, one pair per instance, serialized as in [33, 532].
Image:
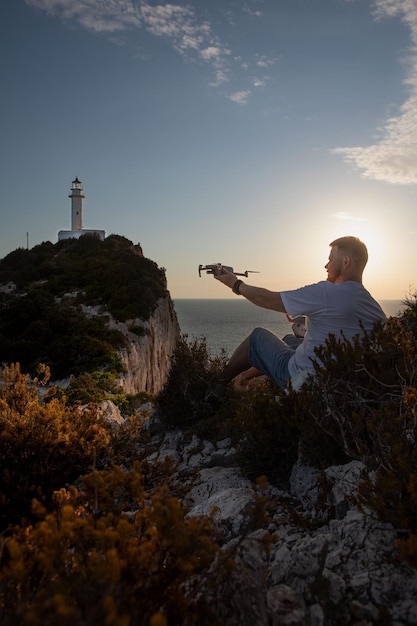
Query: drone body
[216, 268]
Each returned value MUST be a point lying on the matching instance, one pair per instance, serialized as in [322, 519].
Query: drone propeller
[246, 272]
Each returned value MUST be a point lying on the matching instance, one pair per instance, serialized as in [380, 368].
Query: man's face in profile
[334, 266]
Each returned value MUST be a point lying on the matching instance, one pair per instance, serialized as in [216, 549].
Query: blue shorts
[270, 355]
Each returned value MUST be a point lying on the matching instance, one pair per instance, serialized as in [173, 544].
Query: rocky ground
[331, 564]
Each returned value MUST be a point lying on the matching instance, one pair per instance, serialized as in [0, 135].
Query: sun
[367, 230]
[374, 242]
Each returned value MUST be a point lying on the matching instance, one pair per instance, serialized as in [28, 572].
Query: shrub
[409, 316]
[364, 397]
[38, 329]
[192, 391]
[119, 548]
[42, 446]
[94, 387]
[111, 553]
[84, 389]
[128, 403]
[45, 444]
[266, 434]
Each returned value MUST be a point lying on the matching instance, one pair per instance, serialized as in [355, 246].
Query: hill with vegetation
[47, 295]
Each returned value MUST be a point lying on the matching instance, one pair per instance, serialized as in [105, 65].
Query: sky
[247, 132]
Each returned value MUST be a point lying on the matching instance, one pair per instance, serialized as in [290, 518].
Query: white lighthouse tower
[76, 196]
[77, 229]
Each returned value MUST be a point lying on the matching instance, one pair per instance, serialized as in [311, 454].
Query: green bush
[128, 403]
[359, 381]
[364, 398]
[84, 389]
[38, 329]
[266, 434]
[192, 392]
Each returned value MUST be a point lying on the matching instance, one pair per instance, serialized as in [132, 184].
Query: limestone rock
[338, 566]
[110, 412]
[147, 357]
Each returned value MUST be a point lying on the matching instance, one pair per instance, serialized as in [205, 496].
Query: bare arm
[263, 297]
[257, 295]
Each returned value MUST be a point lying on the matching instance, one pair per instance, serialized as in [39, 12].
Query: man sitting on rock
[340, 306]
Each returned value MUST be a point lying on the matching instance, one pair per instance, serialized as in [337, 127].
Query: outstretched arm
[257, 295]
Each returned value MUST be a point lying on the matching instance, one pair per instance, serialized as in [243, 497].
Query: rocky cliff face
[147, 357]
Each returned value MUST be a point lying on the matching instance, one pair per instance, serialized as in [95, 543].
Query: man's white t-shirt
[329, 309]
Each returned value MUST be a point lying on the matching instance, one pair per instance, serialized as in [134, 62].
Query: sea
[223, 324]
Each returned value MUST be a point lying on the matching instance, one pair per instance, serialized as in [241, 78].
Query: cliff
[147, 358]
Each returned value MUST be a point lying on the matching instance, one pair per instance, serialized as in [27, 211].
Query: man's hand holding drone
[226, 277]
[225, 274]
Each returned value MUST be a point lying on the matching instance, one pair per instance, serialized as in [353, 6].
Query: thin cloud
[221, 76]
[252, 12]
[211, 52]
[97, 15]
[346, 217]
[260, 82]
[240, 97]
[177, 23]
[264, 61]
[393, 158]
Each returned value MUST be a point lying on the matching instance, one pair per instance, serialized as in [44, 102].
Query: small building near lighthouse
[77, 229]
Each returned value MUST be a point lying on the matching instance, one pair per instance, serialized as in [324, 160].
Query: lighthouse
[77, 229]
[76, 196]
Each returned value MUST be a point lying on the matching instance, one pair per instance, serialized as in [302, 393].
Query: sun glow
[380, 275]
[368, 230]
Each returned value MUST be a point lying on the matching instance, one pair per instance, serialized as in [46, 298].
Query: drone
[216, 268]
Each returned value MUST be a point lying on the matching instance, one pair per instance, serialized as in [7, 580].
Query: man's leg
[239, 361]
[252, 372]
[261, 352]
[242, 382]
[270, 355]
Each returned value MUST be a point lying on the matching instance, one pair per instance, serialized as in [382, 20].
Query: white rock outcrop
[147, 356]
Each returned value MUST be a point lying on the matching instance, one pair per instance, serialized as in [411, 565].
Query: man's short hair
[353, 247]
